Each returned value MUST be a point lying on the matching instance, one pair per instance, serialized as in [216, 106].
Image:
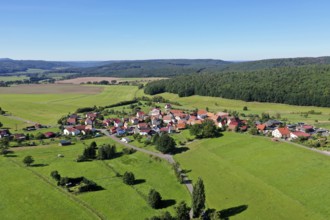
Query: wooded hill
[174, 67]
[305, 85]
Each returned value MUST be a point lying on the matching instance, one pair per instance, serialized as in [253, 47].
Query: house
[297, 134]
[261, 127]
[233, 125]
[117, 122]
[223, 114]
[64, 143]
[155, 121]
[120, 131]
[71, 121]
[125, 140]
[216, 119]
[50, 134]
[155, 112]
[142, 126]
[306, 128]
[272, 123]
[107, 122]
[89, 121]
[134, 121]
[144, 131]
[281, 132]
[92, 115]
[201, 114]
[167, 118]
[4, 133]
[168, 106]
[181, 125]
[19, 137]
[140, 115]
[71, 131]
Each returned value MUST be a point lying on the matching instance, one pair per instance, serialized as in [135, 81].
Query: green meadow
[30, 187]
[275, 180]
[13, 78]
[48, 108]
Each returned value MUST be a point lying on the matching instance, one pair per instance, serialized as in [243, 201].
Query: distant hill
[173, 67]
[150, 68]
[9, 66]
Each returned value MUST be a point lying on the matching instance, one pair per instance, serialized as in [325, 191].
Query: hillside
[305, 85]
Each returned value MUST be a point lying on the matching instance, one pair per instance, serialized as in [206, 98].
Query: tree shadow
[167, 203]
[186, 171]
[10, 155]
[39, 165]
[139, 181]
[187, 182]
[226, 213]
[180, 150]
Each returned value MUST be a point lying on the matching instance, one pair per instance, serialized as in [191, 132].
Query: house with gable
[201, 114]
[281, 133]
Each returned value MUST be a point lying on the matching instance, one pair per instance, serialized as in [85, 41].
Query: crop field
[274, 180]
[38, 191]
[98, 79]
[290, 112]
[49, 105]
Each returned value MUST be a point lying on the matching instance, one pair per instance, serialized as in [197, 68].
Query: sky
[71, 30]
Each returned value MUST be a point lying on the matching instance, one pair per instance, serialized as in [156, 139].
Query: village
[165, 120]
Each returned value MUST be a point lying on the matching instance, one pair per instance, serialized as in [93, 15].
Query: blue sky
[156, 29]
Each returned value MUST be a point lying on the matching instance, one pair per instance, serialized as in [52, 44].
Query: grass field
[275, 180]
[291, 112]
[48, 108]
[98, 79]
[116, 201]
[13, 78]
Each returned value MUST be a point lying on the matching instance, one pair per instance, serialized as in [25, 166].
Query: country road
[169, 158]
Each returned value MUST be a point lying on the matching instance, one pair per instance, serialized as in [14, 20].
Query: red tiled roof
[301, 134]
[261, 127]
[284, 131]
[202, 112]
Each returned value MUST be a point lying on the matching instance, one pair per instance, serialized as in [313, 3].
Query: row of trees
[205, 130]
[306, 85]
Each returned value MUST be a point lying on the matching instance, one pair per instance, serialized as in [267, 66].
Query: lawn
[275, 180]
[117, 200]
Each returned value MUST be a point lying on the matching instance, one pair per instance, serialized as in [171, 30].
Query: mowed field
[47, 103]
[30, 193]
[275, 180]
[290, 112]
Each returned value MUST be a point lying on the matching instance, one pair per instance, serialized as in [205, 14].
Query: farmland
[48, 105]
[109, 79]
[275, 180]
[116, 201]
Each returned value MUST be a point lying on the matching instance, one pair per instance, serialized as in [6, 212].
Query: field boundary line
[75, 199]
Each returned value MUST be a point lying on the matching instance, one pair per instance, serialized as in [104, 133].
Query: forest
[305, 85]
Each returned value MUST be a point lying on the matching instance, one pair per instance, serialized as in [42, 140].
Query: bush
[56, 176]
[154, 199]
[129, 178]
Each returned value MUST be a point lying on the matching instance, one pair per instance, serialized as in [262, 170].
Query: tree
[28, 160]
[209, 129]
[165, 144]
[89, 152]
[1, 124]
[106, 152]
[198, 198]
[40, 136]
[129, 178]
[154, 199]
[182, 211]
[253, 131]
[245, 108]
[56, 176]
[195, 129]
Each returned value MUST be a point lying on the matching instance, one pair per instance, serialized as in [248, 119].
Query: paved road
[169, 158]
